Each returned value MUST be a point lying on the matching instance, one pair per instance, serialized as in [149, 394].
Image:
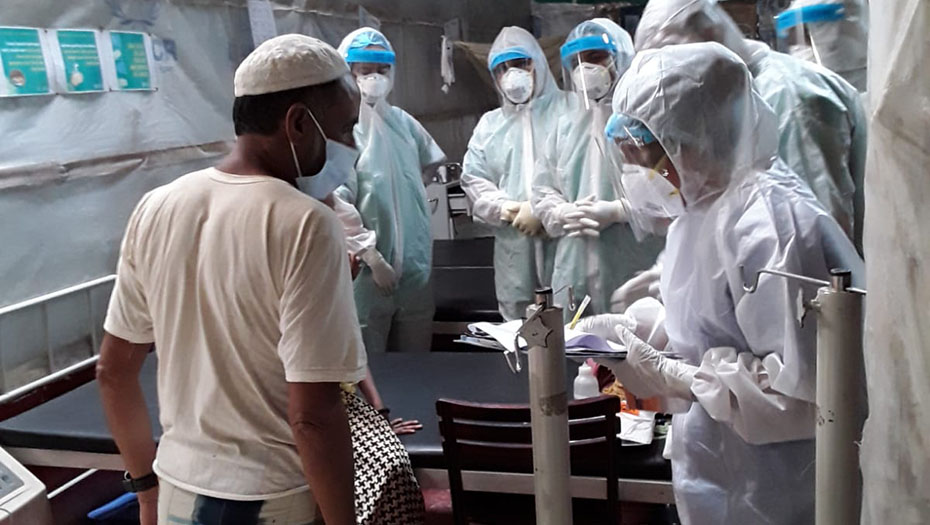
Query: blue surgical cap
[357, 51]
[623, 127]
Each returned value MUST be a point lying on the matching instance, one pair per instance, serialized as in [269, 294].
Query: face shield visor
[589, 65]
[811, 32]
[647, 179]
[514, 75]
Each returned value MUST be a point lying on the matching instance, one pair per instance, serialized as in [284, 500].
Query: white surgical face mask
[340, 164]
[517, 85]
[650, 194]
[591, 79]
[373, 87]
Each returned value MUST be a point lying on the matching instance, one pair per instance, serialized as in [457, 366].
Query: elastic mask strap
[296, 162]
[315, 121]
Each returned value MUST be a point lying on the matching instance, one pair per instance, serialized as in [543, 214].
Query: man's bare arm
[321, 429]
[123, 402]
[124, 405]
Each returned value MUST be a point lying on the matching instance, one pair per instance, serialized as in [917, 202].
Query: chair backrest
[498, 438]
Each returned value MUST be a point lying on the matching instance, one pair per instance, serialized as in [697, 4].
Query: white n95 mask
[517, 85]
[340, 164]
[592, 80]
[650, 194]
[373, 87]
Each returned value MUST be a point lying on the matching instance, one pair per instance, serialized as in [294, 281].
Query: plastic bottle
[585, 383]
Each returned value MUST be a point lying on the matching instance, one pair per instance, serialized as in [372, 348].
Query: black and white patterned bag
[386, 491]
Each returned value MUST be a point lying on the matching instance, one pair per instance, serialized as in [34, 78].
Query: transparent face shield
[515, 79]
[808, 32]
[589, 66]
[646, 178]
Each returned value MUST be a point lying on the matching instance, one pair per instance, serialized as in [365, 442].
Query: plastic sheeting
[196, 49]
[59, 230]
[73, 166]
[896, 440]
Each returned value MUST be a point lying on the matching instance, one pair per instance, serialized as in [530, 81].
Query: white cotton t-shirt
[243, 284]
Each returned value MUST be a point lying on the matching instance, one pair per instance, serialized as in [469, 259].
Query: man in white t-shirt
[242, 283]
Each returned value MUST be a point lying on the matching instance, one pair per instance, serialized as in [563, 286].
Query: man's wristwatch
[146, 482]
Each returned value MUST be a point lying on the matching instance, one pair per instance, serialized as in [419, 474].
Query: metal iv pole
[545, 335]
[841, 402]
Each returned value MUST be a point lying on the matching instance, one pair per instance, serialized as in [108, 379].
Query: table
[70, 431]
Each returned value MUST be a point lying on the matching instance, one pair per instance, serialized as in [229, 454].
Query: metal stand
[545, 335]
[841, 402]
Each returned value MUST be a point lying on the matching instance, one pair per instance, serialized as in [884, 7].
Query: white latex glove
[604, 325]
[526, 222]
[670, 378]
[383, 274]
[575, 221]
[604, 213]
[644, 284]
[509, 211]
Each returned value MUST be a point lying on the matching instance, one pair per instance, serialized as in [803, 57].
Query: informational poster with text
[23, 65]
[132, 61]
[77, 60]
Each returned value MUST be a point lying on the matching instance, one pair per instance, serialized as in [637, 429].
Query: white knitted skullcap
[288, 62]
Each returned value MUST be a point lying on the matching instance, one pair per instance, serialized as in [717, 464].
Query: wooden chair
[498, 438]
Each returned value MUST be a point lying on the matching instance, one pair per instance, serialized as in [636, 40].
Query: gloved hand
[526, 222]
[670, 378]
[574, 221]
[604, 213]
[604, 325]
[383, 274]
[644, 284]
[509, 211]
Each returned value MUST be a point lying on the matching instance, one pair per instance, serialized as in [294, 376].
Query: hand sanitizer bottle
[585, 383]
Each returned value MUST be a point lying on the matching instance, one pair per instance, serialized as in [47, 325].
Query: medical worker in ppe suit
[393, 294]
[744, 451]
[821, 124]
[497, 173]
[574, 195]
[832, 33]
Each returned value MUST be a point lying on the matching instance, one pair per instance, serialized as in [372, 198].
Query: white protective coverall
[498, 169]
[389, 193]
[821, 124]
[575, 167]
[744, 452]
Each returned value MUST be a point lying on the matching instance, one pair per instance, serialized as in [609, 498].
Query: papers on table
[504, 337]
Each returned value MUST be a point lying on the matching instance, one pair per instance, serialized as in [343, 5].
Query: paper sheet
[576, 342]
[637, 428]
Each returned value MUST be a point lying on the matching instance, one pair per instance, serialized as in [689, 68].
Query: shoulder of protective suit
[402, 121]
[490, 121]
[780, 74]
